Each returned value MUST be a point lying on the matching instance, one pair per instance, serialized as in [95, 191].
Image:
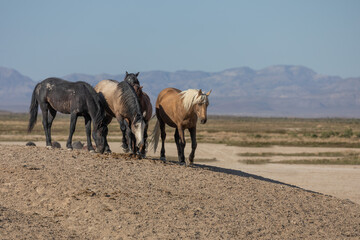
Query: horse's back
[57, 85]
[167, 106]
[110, 90]
[106, 86]
[64, 96]
[167, 95]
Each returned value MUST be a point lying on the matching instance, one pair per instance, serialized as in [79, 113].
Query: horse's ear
[200, 92]
[127, 73]
[208, 93]
[141, 87]
[137, 74]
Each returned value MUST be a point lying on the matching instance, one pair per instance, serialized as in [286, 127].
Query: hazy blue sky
[54, 38]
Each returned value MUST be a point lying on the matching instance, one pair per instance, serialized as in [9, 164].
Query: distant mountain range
[281, 90]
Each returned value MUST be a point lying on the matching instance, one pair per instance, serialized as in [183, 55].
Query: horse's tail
[155, 135]
[33, 110]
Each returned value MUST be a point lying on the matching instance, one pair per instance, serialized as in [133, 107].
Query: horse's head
[131, 78]
[99, 134]
[201, 106]
[137, 128]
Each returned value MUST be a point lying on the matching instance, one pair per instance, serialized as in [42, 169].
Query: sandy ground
[61, 194]
[341, 181]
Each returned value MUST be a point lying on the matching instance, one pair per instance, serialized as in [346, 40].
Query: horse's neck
[127, 112]
[189, 114]
[142, 102]
[93, 110]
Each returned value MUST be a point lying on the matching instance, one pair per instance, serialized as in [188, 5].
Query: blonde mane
[191, 97]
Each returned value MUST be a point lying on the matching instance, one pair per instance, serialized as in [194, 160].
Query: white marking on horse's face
[139, 132]
[201, 109]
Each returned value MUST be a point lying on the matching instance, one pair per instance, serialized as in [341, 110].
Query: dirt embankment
[55, 193]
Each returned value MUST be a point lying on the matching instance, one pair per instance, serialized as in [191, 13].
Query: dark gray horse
[74, 98]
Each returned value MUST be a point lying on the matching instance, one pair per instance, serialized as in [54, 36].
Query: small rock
[77, 145]
[30, 144]
[56, 145]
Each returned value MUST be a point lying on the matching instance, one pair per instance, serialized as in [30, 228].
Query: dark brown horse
[74, 98]
[180, 110]
[123, 104]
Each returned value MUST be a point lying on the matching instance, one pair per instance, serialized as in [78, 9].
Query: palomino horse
[76, 99]
[180, 110]
[146, 108]
[123, 104]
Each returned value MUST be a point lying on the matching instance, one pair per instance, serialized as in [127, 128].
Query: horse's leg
[143, 148]
[182, 144]
[107, 121]
[122, 124]
[88, 133]
[193, 144]
[131, 140]
[123, 129]
[177, 141]
[163, 137]
[73, 118]
[44, 110]
[51, 116]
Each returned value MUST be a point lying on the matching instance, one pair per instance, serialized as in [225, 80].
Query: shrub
[327, 134]
[314, 135]
[348, 133]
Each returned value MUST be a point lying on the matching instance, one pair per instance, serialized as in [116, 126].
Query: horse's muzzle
[203, 121]
[100, 149]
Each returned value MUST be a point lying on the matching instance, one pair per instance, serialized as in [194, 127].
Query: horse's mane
[129, 98]
[191, 97]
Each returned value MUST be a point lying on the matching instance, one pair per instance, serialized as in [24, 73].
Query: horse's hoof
[163, 159]
[125, 150]
[49, 147]
[69, 149]
[91, 151]
[189, 164]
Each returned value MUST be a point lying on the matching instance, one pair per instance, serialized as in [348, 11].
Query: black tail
[33, 110]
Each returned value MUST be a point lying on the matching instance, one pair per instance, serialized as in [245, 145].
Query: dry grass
[322, 161]
[236, 131]
[329, 158]
[303, 154]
